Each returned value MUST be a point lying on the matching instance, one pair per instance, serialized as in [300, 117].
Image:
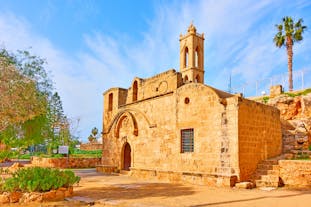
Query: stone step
[264, 167]
[260, 183]
[262, 172]
[125, 172]
[270, 178]
[270, 162]
[273, 172]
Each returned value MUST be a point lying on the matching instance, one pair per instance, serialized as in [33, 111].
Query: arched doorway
[127, 157]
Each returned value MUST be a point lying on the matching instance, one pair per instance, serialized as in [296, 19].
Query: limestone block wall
[207, 116]
[157, 145]
[65, 162]
[154, 131]
[260, 137]
[157, 85]
[295, 172]
[91, 146]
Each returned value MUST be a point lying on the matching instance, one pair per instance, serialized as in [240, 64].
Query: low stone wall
[295, 172]
[185, 177]
[65, 162]
[19, 197]
[91, 146]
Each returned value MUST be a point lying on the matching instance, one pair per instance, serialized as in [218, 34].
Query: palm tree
[288, 33]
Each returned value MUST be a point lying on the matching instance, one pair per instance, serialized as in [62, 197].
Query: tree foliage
[289, 32]
[93, 135]
[30, 111]
[19, 98]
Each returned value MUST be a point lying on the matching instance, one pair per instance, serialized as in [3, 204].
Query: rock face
[295, 114]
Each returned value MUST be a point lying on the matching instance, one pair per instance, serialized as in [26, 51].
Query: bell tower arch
[192, 56]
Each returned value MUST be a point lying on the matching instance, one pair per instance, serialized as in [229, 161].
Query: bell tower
[192, 56]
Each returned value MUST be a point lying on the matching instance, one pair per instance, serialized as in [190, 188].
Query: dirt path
[123, 190]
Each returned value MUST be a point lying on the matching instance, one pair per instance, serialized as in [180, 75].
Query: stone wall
[184, 177]
[295, 172]
[91, 146]
[65, 162]
[259, 135]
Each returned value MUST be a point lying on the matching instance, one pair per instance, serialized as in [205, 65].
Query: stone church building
[174, 127]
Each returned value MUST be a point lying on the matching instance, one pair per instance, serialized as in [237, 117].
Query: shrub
[305, 92]
[4, 155]
[265, 99]
[38, 179]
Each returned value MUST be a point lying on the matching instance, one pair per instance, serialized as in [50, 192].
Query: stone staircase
[125, 172]
[267, 174]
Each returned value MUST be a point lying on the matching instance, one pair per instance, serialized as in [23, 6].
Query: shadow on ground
[249, 199]
[134, 191]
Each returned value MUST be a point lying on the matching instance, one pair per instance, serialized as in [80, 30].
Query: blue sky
[91, 46]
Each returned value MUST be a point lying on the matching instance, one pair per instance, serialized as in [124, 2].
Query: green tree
[94, 131]
[93, 135]
[289, 32]
[20, 100]
[30, 113]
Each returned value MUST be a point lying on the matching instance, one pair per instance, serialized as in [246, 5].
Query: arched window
[110, 102]
[186, 79]
[197, 79]
[196, 57]
[186, 57]
[135, 91]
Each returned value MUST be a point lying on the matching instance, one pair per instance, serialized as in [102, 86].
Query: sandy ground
[124, 190]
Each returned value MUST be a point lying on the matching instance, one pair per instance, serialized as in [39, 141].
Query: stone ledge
[197, 178]
[107, 169]
[72, 162]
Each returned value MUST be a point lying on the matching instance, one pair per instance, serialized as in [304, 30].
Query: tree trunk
[289, 47]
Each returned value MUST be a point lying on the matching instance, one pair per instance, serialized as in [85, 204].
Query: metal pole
[302, 81]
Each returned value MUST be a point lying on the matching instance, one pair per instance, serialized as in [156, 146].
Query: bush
[305, 92]
[265, 99]
[38, 179]
[4, 155]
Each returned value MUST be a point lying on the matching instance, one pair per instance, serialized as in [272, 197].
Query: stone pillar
[275, 90]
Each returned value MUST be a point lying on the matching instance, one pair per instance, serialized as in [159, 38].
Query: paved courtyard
[128, 191]
[97, 190]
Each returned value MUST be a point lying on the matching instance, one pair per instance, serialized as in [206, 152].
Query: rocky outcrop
[295, 117]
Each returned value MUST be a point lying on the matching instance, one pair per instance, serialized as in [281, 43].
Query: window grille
[187, 140]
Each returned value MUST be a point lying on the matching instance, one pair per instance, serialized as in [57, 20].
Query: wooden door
[127, 157]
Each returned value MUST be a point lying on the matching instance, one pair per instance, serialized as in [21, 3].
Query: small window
[196, 57]
[187, 140]
[186, 57]
[135, 91]
[197, 79]
[110, 102]
[186, 79]
[187, 100]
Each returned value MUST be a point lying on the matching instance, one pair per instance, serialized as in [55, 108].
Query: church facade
[175, 128]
